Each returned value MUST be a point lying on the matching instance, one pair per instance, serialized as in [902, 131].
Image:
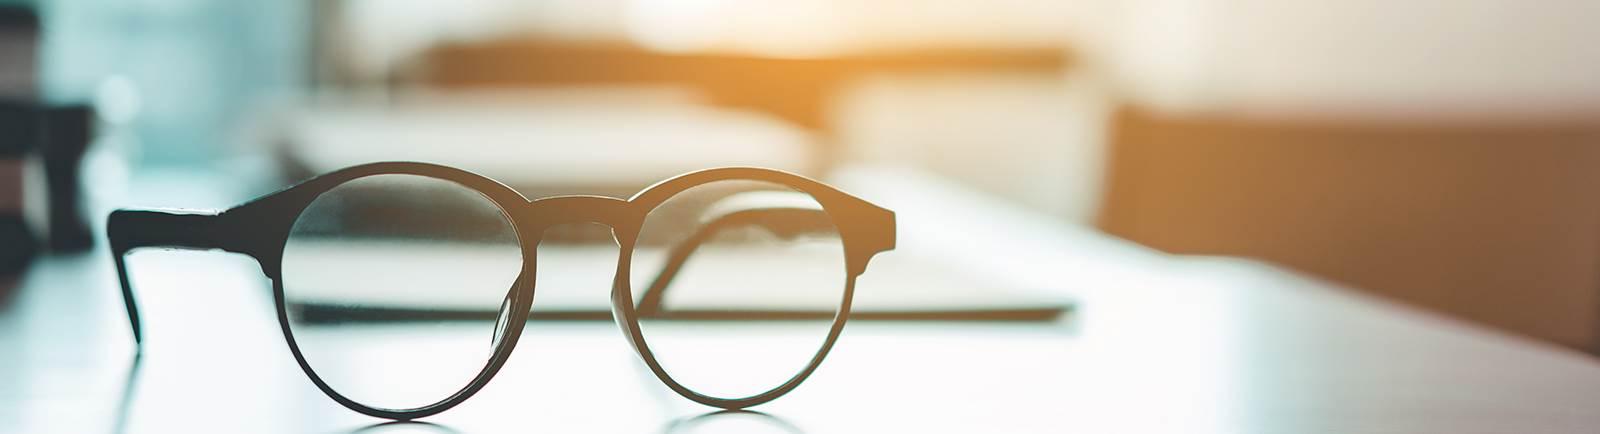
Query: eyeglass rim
[862, 228]
[302, 195]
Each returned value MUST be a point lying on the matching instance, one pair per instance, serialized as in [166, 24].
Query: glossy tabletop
[1156, 344]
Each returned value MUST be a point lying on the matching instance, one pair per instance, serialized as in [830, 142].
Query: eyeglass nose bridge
[544, 213]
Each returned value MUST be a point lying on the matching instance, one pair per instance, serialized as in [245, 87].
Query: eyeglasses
[401, 288]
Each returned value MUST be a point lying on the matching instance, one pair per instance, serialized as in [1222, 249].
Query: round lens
[396, 286]
[737, 284]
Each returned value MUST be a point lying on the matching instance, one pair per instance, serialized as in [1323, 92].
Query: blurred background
[1439, 153]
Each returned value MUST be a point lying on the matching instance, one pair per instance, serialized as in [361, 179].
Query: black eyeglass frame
[260, 229]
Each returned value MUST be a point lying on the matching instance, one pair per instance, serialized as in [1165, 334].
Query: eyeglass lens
[753, 301]
[394, 286]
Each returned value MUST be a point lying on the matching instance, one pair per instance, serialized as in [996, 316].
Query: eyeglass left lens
[394, 287]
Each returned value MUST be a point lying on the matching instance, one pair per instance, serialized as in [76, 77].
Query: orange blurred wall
[1497, 222]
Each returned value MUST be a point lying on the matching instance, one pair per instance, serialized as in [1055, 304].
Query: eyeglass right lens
[395, 285]
[737, 284]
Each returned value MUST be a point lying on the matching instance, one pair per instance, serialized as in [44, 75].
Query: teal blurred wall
[189, 70]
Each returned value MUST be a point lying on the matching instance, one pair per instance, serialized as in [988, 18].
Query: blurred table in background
[796, 89]
[1158, 344]
[605, 141]
[786, 60]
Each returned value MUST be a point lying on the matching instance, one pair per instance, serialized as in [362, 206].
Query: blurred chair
[49, 135]
[1497, 222]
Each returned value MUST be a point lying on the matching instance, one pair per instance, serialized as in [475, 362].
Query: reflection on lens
[737, 284]
[394, 287]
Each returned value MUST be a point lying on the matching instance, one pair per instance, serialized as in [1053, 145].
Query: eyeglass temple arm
[786, 223]
[132, 229]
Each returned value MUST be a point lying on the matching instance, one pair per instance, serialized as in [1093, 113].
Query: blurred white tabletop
[1157, 344]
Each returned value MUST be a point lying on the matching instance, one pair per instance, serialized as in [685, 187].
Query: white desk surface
[1158, 344]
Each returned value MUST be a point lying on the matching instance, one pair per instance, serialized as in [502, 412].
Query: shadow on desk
[404, 426]
[730, 421]
[715, 421]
